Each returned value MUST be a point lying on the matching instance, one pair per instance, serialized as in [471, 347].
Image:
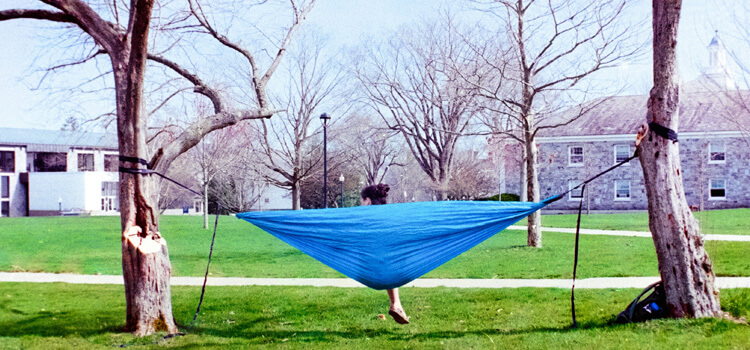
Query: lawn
[54, 315]
[722, 222]
[89, 245]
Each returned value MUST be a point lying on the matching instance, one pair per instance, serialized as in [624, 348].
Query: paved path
[585, 231]
[588, 283]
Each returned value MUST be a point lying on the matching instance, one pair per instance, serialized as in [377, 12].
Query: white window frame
[710, 187]
[15, 160]
[627, 154]
[6, 199]
[571, 184]
[109, 196]
[78, 159]
[630, 190]
[570, 155]
[104, 163]
[724, 151]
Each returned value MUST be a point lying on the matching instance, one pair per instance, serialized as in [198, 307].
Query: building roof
[56, 139]
[618, 115]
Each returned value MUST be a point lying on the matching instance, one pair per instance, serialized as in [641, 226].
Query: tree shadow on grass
[391, 334]
[55, 324]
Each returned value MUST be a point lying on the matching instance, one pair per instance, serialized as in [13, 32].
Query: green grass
[92, 245]
[43, 316]
[720, 222]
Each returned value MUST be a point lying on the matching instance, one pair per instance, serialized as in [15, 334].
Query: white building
[47, 172]
[273, 198]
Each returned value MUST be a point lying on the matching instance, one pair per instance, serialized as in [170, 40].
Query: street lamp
[341, 179]
[324, 118]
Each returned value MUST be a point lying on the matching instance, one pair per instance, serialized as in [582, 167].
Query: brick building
[714, 141]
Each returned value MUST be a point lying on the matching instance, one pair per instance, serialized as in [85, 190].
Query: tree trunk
[145, 259]
[683, 263]
[205, 204]
[534, 228]
[522, 178]
[296, 196]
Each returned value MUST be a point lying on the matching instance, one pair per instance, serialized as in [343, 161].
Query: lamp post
[324, 118]
[341, 179]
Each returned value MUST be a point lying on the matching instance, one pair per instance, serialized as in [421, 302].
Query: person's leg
[395, 300]
[397, 311]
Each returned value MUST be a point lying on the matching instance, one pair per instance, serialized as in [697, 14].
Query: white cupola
[718, 71]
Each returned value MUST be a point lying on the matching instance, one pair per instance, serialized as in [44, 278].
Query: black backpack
[651, 307]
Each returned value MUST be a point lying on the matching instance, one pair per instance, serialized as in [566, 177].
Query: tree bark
[296, 196]
[205, 204]
[145, 258]
[684, 265]
[534, 227]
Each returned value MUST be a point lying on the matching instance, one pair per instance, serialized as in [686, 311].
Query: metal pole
[342, 194]
[325, 166]
[324, 118]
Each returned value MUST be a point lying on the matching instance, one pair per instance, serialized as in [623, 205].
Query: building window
[7, 161]
[717, 189]
[577, 194]
[50, 162]
[85, 162]
[111, 162]
[4, 187]
[622, 153]
[109, 196]
[716, 152]
[5, 196]
[622, 190]
[575, 156]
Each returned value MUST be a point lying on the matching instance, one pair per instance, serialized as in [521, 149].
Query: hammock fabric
[387, 246]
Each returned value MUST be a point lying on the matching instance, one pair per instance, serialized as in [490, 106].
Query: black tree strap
[575, 260]
[149, 171]
[135, 160]
[663, 131]
[582, 185]
[205, 278]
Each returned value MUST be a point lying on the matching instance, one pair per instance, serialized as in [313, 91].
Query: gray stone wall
[555, 173]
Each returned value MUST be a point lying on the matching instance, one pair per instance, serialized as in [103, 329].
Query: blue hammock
[387, 246]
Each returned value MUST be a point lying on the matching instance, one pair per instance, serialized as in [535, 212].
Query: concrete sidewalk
[588, 283]
[585, 231]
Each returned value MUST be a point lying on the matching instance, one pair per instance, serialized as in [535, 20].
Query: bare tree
[217, 154]
[544, 61]
[170, 194]
[371, 146]
[146, 266]
[409, 83]
[473, 176]
[237, 190]
[684, 265]
[288, 145]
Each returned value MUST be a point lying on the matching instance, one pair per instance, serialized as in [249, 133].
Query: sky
[344, 23]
